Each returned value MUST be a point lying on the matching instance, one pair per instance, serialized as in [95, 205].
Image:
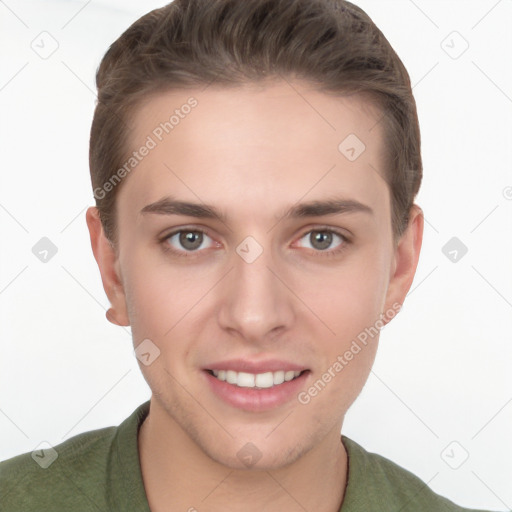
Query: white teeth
[278, 377]
[245, 380]
[259, 380]
[264, 380]
[231, 377]
[289, 376]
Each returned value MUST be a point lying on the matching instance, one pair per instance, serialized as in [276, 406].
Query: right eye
[188, 240]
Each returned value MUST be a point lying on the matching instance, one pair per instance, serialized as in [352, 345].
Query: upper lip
[247, 366]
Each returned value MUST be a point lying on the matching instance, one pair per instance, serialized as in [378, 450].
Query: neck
[178, 475]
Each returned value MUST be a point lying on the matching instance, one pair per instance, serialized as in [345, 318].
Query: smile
[255, 380]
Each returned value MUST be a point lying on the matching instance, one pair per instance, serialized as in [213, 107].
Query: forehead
[255, 144]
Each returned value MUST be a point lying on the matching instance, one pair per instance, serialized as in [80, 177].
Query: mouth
[264, 380]
[260, 387]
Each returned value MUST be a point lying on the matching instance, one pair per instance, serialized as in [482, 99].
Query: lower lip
[255, 399]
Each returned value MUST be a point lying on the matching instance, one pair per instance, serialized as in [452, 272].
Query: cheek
[348, 302]
[348, 298]
[158, 294]
[345, 357]
[157, 308]
[167, 304]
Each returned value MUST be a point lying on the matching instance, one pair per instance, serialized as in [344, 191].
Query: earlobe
[111, 316]
[406, 257]
[107, 261]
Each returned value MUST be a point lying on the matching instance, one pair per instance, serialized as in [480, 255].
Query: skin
[252, 153]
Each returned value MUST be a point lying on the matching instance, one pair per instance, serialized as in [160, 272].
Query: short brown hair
[332, 44]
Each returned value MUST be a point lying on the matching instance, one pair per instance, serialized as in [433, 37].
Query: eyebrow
[317, 208]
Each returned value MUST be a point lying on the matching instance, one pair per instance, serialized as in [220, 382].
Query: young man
[254, 165]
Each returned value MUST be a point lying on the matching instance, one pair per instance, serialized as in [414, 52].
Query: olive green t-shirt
[100, 471]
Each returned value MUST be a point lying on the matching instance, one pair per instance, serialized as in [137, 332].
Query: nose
[255, 304]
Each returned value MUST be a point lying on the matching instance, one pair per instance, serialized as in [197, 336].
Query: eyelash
[326, 253]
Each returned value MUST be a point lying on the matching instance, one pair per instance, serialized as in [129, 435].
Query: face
[254, 251]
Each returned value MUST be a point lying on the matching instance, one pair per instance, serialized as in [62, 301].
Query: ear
[405, 260]
[107, 260]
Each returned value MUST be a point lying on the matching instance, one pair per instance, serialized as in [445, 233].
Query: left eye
[189, 240]
[322, 239]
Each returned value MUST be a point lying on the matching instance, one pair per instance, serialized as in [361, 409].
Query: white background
[442, 373]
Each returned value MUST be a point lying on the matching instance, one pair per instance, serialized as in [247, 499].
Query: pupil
[191, 240]
[320, 239]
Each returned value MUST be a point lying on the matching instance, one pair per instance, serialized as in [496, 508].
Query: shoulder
[376, 483]
[63, 474]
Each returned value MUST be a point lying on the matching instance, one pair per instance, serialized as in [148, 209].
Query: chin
[251, 457]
